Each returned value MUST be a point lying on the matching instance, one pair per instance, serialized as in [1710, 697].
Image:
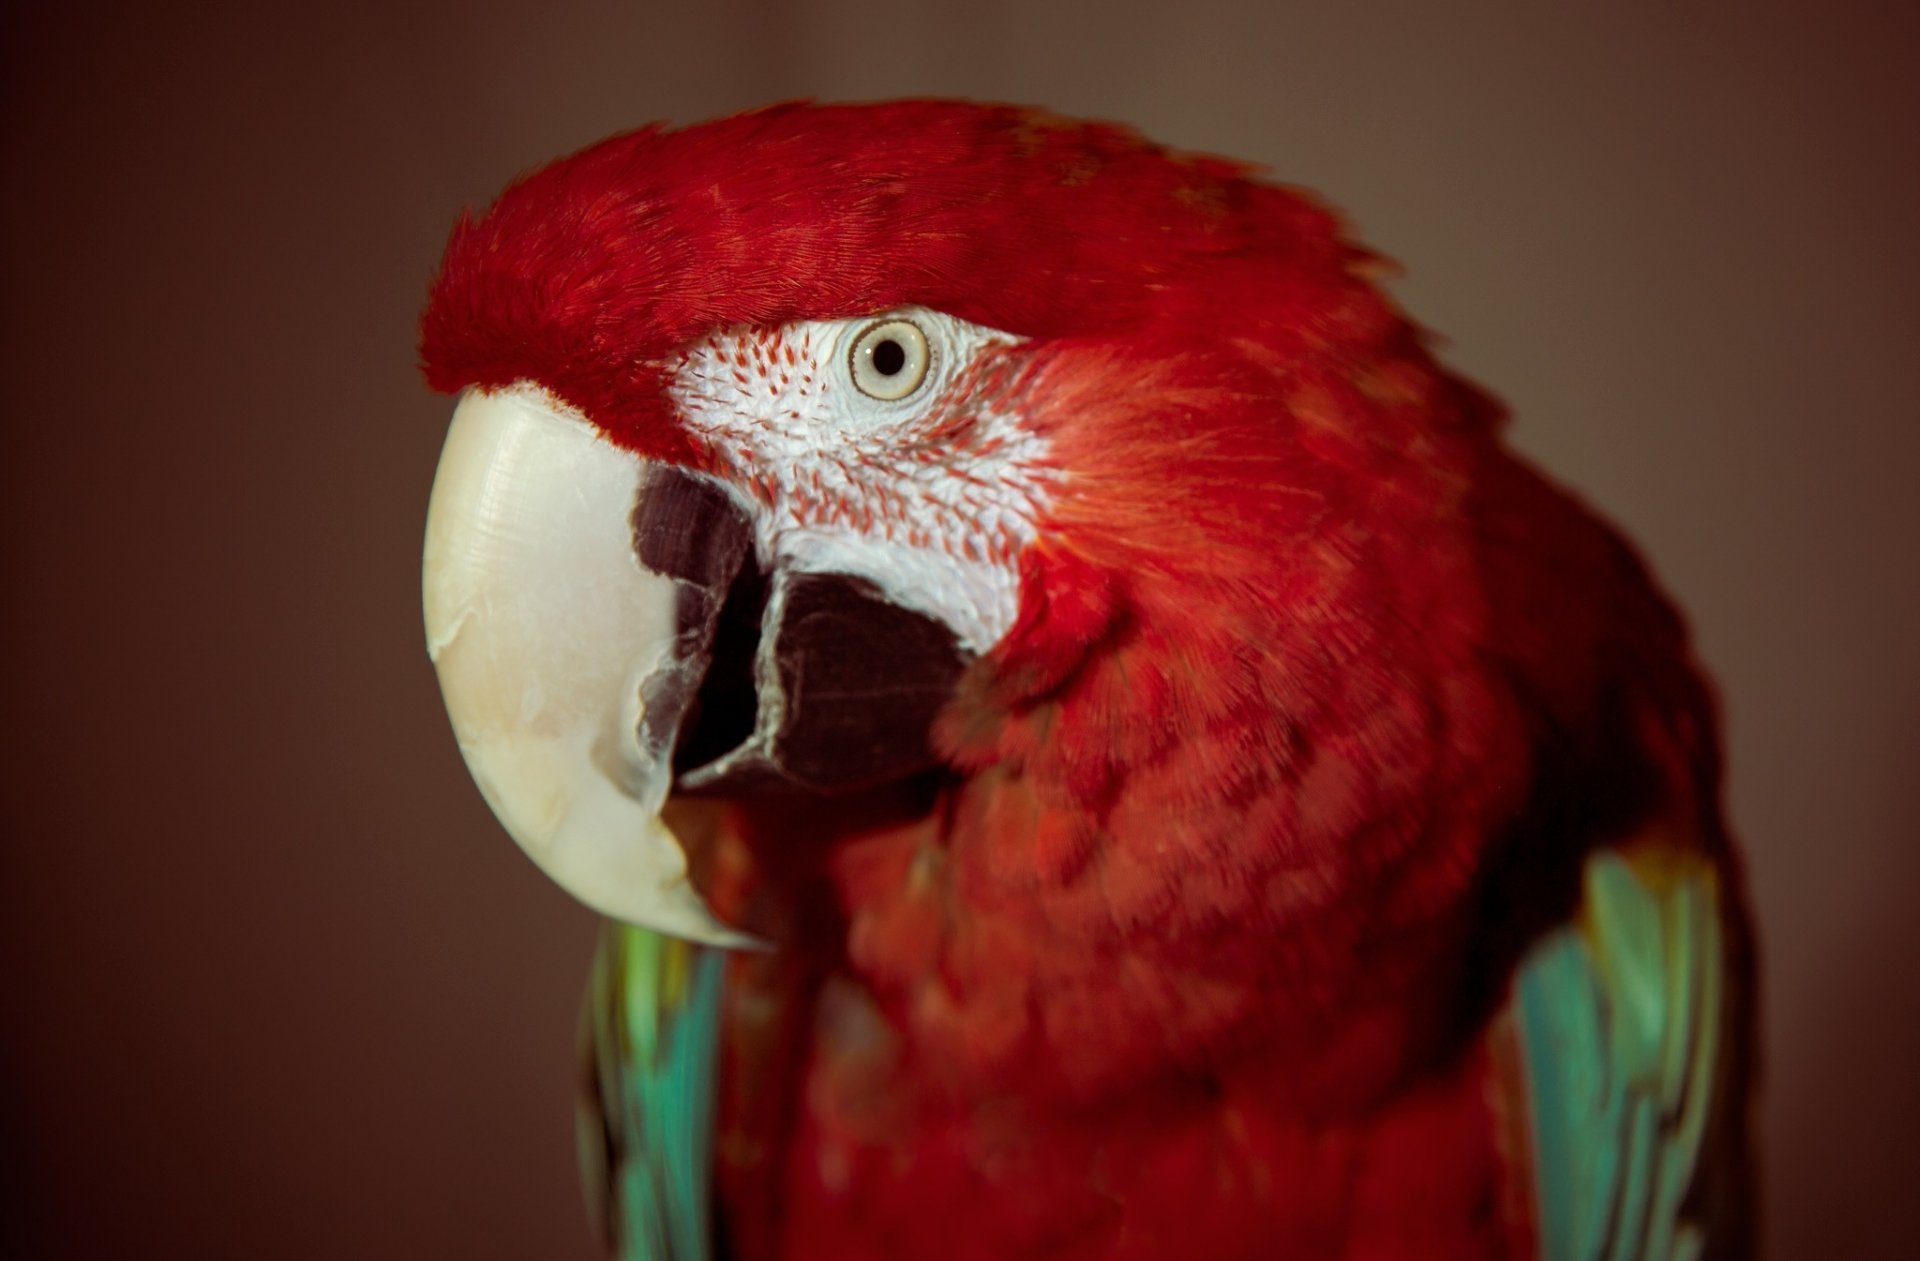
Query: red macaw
[1089, 744]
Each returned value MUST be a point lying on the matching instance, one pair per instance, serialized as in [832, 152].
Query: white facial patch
[929, 496]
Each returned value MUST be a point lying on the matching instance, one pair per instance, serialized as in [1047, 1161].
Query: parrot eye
[889, 360]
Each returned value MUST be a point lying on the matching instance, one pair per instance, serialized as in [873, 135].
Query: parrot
[1085, 740]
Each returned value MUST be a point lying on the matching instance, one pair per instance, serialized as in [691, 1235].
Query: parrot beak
[562, 657]
[604, 635]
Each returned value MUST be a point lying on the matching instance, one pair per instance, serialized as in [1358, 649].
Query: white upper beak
[544, 628]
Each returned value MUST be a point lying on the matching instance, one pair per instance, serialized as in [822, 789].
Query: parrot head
[818, 448]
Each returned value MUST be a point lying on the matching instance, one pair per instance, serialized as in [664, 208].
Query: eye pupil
[889, 357]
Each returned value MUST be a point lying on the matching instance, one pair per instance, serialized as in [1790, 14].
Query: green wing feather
[650, 1040]
[1628, 1030]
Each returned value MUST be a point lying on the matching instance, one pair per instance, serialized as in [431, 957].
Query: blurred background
[277, 985]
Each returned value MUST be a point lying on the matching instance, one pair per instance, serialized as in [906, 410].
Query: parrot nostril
[725, 708]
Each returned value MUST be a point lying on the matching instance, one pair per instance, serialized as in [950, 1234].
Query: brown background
[276, 985]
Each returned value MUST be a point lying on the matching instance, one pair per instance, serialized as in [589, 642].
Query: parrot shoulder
[649, 1045]
[1623, 1061]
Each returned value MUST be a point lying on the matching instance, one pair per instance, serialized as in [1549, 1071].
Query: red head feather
[586, 273]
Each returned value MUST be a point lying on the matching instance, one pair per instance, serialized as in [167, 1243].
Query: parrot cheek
[603, 636]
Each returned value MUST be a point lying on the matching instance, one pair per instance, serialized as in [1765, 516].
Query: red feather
[1316, 700]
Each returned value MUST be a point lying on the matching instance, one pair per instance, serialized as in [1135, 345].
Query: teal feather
[1619, 1018]
[650, 1037]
